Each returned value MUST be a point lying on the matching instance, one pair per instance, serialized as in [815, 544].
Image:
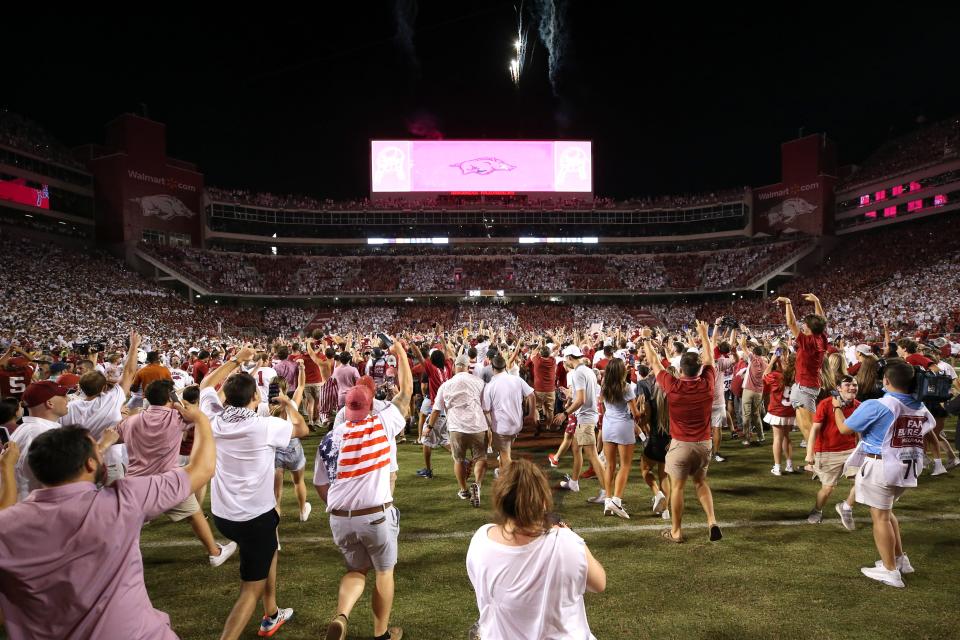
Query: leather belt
[361, 512]
[875, 456]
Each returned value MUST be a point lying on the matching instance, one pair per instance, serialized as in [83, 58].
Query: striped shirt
[357, 459]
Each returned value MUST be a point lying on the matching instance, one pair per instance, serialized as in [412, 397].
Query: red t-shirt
[561, 375]
[853, 369]
[773, 387]
[544, 374]
[829, 438]
[435, 376]
[919, 360]
[690, 401]
[311, 372]
[200, 370]
[14, 380]
[810, 352]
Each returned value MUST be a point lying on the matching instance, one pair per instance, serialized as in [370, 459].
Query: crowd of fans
[26, 135]
[927, 145]
[309, 203]
[225, 272]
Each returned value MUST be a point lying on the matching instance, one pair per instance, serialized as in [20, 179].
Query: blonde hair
[279, 410]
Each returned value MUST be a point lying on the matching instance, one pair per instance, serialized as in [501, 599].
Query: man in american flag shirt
[352, 475]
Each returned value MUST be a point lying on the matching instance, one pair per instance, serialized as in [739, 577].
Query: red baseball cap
[359, 403]
[368, 383]
[39, 392]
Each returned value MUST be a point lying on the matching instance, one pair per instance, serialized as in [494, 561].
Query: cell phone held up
[387, 342]
[273, 392]
[4, 436]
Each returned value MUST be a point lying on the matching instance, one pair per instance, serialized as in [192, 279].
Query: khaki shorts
[685, 459]
[585, 434]
[872, 489]
[546, 401]
[184, 510]
[503, 444]
[475, 442]
[828, 465]
[368, 542]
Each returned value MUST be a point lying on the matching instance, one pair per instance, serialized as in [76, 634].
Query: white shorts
[426, 406]
[718, 417]
[871, 487]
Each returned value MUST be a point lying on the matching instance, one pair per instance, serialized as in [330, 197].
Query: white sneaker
[953, 464]
[903, 564]
[570, 485]
[614, 505]
[600, 498]
[776, 470]
[269, 626]
[846, 516]
[307, 508]
[891, 578]
[719, 459]
[659, 502]
[666, 514]
[788, 468]
[489, 451]
[226, 550]
[803, 444]
[938, 468]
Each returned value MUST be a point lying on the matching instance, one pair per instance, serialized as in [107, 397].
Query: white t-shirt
[263, 376]
[503, 400]
[584, 378]
[378, 407]
[947, 369]
[459, 397]
[23, 436]
[242, 486]
[532, 591]
[358, 459]
[96, 416]
[181, 379]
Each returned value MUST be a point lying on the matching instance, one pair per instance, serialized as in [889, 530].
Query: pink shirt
[153, 440]
[70, 564]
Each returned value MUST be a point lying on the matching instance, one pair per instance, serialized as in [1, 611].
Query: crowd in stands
[26, 135]
[309, 203]
[927, 145]
[224, 272]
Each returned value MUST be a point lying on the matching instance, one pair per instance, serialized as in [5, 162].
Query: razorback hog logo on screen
[164, 207]
[483, 166]
[907, 432]
[788, 210]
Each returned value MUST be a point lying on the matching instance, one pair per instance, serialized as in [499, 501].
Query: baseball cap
[463, 360]
[367, 383]
[864, 349]
[358, 404]
[59, 367]
[39, 392]
[572, 350]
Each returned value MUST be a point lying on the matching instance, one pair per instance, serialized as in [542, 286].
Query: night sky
[674, 103]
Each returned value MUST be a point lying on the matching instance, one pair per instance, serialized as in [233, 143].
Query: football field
[772, 576]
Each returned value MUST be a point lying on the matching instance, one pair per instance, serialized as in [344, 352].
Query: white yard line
[454, 535]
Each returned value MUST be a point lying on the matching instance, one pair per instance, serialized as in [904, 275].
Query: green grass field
[767, 578]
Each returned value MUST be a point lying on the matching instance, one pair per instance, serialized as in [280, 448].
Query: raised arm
[655, 365]
[8, 478]
[203, 458]
[301, 383]
[130, 364]
[817, 307]
[790, 318]
[217, 376]
[404, 379]
[706, 354]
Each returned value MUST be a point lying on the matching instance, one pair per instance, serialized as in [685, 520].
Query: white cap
[572, 350]
[864, 349]
[608, 342]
